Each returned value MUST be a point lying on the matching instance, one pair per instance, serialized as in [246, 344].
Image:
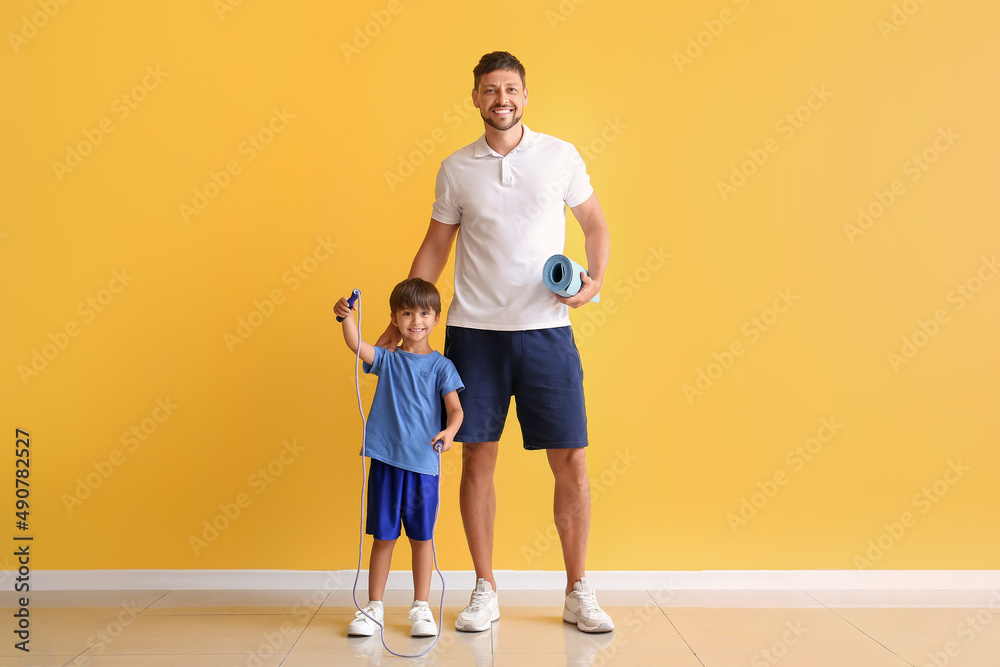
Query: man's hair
[494, 61]
[415, 293]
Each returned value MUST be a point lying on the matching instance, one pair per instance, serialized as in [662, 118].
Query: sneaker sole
[471, 628]
[573, 619]
[360, 634]
[424, 633]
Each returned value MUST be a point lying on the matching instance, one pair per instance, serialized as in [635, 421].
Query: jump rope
[356, 297]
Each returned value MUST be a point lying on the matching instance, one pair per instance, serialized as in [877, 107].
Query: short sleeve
[446, 209]
[375, 368]
[579, 189]
[448, 378]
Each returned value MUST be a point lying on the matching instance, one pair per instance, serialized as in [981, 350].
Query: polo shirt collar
[482, 149]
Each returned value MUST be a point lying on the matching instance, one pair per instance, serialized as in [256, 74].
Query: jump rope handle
[350, 302]
[438, 446]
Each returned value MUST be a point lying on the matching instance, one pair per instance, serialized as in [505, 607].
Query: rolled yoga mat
[562, 275]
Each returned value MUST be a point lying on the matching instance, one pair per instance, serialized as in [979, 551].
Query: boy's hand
[341, 309]
[443, 437]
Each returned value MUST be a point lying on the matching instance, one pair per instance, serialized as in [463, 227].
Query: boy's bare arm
[455, 416]
[341, 309]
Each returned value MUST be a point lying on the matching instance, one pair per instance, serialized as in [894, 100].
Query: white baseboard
[761, 580]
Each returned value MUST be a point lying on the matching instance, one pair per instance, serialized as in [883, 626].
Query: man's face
[500, 98]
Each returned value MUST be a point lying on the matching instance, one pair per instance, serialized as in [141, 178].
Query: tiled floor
[668, 628]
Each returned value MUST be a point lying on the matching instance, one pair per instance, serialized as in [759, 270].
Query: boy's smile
[415, 325]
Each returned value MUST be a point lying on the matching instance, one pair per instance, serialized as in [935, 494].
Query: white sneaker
[422, 620]
[582, 609]
[483, 609]
[362, 626]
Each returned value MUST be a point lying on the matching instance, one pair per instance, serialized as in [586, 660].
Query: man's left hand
[588, 290]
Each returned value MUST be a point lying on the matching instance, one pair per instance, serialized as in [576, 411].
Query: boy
[404, 425]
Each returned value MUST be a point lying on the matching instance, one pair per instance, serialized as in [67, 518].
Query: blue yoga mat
[562, 275]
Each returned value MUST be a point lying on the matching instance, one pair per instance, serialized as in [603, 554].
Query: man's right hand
[390, 338]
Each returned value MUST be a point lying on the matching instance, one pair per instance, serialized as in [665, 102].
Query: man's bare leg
[478, 500]
[571, 509]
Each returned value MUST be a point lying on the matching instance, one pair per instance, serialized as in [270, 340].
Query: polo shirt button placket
[505, 170]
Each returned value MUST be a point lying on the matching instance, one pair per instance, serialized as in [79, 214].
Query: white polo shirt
[512, 211]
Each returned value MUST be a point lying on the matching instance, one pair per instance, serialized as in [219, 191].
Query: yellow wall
[222, 146]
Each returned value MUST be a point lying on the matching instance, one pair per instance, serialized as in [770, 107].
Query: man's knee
[479, 452]
[569, 463]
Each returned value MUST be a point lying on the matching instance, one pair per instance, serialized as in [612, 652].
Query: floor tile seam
[103, 634]
[305, 627]
[846, 620]
[684, 639]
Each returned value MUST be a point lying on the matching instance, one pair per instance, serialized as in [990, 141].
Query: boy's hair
[494, 61]
[415, 293]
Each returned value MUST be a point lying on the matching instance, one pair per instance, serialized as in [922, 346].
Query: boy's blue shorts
[397, 496]
[540, 368]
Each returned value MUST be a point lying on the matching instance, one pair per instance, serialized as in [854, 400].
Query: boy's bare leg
[423, 567]
[478, 501]
[378, 568]
[571, 509]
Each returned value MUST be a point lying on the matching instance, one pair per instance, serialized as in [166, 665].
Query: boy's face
[415, 323]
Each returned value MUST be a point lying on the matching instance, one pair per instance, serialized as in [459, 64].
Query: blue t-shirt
[407, 409]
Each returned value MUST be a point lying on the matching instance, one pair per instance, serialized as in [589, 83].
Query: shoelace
[421, 614]
[372, 611]
[587, 600]
[479, 600]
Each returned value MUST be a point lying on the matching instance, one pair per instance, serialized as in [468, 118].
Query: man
[504, 196]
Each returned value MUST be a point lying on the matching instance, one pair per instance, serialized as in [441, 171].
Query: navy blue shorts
[397, 496]
[540, 368]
